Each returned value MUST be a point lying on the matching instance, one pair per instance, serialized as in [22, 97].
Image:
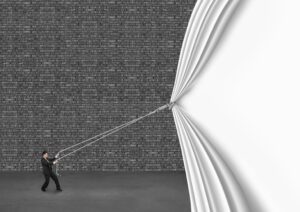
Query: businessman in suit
[47, 171]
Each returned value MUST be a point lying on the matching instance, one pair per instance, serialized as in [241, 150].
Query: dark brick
[71, 69]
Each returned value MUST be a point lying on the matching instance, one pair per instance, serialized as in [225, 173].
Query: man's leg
[54, 177]
[46, 183]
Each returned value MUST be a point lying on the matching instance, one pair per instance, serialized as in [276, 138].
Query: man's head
[45, 154]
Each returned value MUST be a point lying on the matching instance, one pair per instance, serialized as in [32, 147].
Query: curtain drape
[212, 186]
[206, 22]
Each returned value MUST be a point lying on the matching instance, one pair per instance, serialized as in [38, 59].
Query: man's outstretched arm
[51, 159]
[46, 162]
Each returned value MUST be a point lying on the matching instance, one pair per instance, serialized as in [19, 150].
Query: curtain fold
[212, 186]
[206, 22]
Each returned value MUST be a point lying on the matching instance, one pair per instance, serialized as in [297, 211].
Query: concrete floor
[95, 191]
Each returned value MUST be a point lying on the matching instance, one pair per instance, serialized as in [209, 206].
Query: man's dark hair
[44, 152]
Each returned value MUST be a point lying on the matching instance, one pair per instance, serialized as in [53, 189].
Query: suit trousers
[47, 179]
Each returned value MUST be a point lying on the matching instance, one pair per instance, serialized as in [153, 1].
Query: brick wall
[70, 69]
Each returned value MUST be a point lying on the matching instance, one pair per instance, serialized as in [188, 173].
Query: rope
[89, 139]
[108, 132]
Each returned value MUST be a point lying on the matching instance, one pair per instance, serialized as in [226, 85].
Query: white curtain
[212, 186]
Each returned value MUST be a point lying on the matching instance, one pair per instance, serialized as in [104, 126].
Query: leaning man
[47, 171]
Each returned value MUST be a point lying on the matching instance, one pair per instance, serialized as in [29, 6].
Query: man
[47, 171]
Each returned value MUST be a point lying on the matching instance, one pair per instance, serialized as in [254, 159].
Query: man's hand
[55, 161]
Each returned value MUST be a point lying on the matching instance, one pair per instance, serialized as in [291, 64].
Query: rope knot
[170, 105]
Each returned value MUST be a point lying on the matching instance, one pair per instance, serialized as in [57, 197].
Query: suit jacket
[47, 165]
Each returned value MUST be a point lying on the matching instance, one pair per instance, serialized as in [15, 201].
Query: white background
[248, 99]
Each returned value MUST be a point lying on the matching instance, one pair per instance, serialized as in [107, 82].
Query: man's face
[46, 155]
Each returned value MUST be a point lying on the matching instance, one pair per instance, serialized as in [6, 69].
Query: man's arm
[51, 159]
[46, 162]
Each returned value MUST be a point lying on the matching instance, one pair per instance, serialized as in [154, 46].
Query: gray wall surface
[71, 69]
